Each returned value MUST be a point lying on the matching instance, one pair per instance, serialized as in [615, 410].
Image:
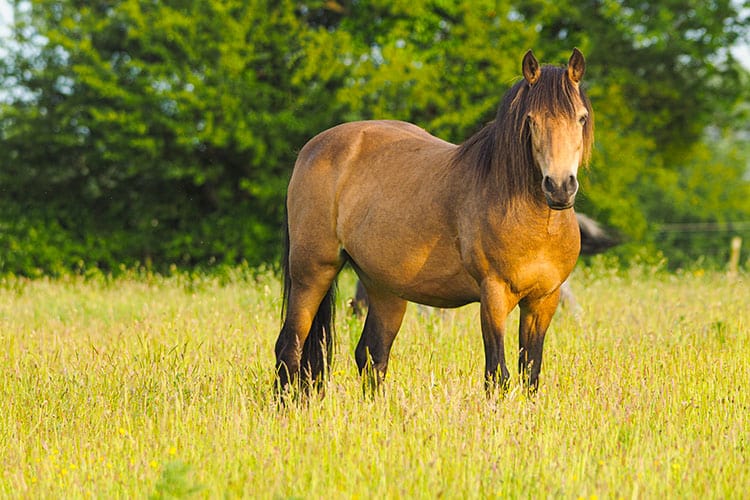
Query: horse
[423, 220]
[594, 240]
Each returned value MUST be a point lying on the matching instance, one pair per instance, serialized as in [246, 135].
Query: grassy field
[161, 387]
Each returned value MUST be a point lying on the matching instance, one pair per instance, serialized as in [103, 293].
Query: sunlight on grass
[160, 387]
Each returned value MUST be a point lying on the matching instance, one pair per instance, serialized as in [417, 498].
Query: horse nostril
[548, 184]
[571, 186]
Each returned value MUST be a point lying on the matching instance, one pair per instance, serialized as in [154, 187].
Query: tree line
[152, 133]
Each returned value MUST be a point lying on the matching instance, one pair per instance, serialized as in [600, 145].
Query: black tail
[594, 239]
[317, 352]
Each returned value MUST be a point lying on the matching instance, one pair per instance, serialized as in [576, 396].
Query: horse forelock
[503, 147]
[555, 94]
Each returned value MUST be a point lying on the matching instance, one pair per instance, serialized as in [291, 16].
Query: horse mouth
[560, 196]
[560, 205]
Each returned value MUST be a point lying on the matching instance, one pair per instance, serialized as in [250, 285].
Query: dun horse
[594, 240]
[423, 220]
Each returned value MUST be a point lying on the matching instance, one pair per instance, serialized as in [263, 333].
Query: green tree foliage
[165, 131]
[153, 131]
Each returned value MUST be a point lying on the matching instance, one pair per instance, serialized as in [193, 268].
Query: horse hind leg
[384, 317]
[304, 346]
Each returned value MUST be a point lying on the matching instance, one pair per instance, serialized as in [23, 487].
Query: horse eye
[582, 120]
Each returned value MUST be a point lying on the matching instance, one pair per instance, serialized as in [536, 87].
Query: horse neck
[517, 191]
[513, 186]
[499, 160]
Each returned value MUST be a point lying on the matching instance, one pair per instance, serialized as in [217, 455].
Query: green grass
[161, 387]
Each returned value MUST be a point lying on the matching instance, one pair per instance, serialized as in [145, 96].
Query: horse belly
[426, 271]
[437, 287]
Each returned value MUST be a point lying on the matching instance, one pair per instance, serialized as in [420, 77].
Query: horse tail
[594, 239]
[317, 351]
[286, 277]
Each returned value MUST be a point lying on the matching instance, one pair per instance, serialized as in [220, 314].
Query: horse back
[365, 156]
[341, 145]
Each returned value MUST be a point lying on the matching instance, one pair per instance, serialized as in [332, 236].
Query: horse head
[559, 123]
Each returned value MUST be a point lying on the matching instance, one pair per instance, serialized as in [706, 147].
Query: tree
[661, 75]
[144, 131]
[167, 131]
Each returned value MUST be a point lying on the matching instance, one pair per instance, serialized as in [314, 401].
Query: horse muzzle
[560, 195]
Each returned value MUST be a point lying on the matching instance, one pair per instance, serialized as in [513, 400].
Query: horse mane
[502, 148]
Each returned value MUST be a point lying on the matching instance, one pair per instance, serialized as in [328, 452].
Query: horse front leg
[494, 308]
[536, 316]
[384, 317]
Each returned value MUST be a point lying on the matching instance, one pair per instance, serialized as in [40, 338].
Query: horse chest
[539, 275]
[532, 263]
[544, 268]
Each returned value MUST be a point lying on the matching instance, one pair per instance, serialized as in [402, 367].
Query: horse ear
[576, 66]
[531, 69]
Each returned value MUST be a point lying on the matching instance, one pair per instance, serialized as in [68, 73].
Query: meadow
[149, 386]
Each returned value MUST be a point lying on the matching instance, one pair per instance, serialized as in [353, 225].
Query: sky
[6, 16]
[742, 53]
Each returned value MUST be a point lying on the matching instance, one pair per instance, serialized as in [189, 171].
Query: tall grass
[161, 387]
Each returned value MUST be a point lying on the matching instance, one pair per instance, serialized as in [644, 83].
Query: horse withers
[427, 221]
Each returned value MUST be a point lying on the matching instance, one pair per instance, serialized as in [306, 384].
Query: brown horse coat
[427, 221]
